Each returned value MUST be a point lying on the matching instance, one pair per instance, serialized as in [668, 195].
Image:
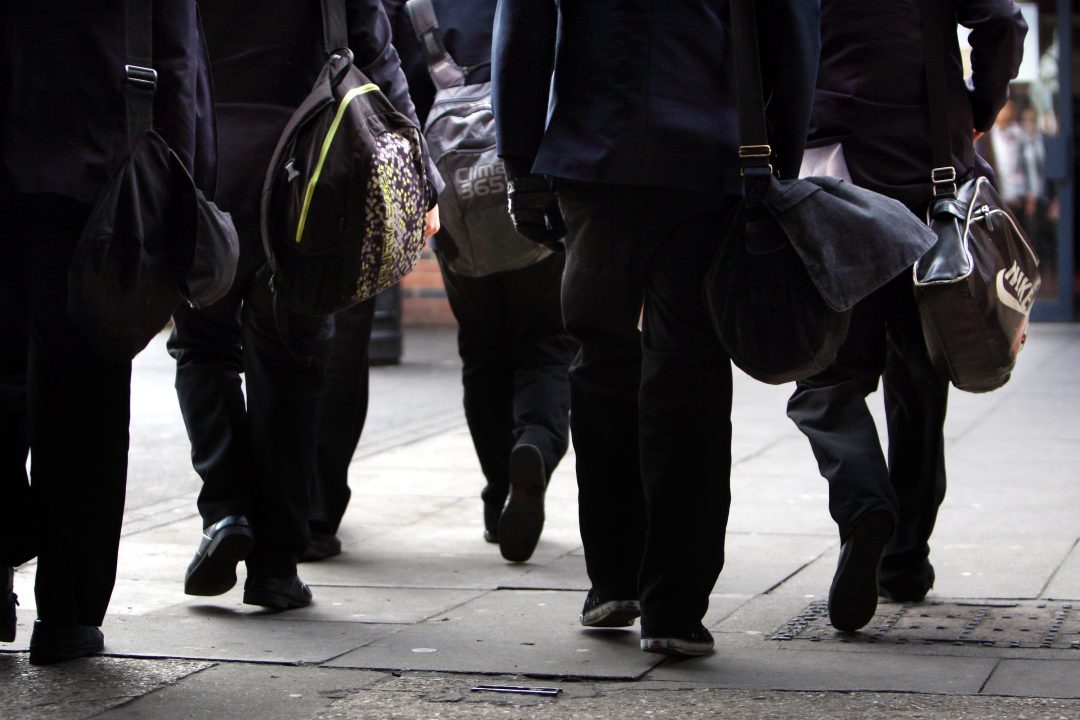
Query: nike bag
[975, 287]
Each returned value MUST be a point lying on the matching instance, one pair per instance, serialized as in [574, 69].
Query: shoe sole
[676, 647]
[612, 614]
[853, 596]
[274, 601]
[522, 519]
[214, 573]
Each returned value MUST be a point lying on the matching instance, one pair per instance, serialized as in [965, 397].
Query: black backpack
[460, 131]
[345, 195]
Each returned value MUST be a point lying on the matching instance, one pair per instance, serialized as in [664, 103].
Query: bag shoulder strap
[943, 174]
[445, 73]
[140, 77]
[755, 153]
[335, 26]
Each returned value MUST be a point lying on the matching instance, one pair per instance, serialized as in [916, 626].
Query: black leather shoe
[8, 601]
[277, 593]
[224, 544]
[321, 547]
[56, 643]
[854, 593]
[522, 517]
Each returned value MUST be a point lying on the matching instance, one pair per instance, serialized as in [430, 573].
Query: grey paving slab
[265, 692]
[773, 668]
[217, 633]
[451, 569]
[350, 603]
[81, 688]
[994, 565]
[756, 562]
[519, 632]
[563, 573]
[1036, 678]
[1066, 583]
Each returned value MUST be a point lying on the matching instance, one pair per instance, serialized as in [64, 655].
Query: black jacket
[871, 93]
[643, 91]
[63, 128]
[465, 27]
[266, 55]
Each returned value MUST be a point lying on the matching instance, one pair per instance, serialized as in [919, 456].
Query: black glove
[534, 210]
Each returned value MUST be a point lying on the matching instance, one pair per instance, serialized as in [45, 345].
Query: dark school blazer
[871, 90]
[63, 127]
[643, 92]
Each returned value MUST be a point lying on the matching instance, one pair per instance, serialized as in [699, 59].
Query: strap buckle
[141, 77]
[755, 157]
[943, 180]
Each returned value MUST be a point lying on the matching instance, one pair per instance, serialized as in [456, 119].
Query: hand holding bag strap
[943, 174]
[140, 78]
[445, 73]
[754, 149]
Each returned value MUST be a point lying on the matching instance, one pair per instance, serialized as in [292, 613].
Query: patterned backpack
[345, 195]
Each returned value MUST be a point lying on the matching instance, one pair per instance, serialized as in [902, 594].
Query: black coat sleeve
[178, 60]
[370, 39]
[997, 47]
[522, 61]
[789, 39]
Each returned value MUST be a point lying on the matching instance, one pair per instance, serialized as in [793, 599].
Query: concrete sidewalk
[419, 609]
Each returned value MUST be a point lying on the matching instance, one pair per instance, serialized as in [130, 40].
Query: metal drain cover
[989, 624]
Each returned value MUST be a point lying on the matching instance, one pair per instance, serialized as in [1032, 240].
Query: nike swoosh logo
[1005, 297]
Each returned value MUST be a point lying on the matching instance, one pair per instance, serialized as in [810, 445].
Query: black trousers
[515, 354]
[255, 453]
[650, 409]
[344, 411]
[885, 341]
[69, 408]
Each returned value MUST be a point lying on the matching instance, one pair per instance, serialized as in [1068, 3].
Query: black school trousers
[515, 355]
[68, 408]
[885, 342]
[253, 446]
[650, 409]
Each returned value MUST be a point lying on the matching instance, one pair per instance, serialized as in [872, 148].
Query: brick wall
[423, 298]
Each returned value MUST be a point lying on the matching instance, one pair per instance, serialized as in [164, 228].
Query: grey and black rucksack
[479, 238]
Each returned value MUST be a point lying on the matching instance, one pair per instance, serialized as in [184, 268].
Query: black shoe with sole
[56, 643]
[224, 544]
[8, 601]
[693, 642]
[522, 517]
[600, 613]
[854, 593]
[277, 593]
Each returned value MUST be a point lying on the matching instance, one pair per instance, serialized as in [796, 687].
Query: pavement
[419, 610]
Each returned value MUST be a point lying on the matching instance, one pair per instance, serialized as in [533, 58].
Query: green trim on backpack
[355, 92]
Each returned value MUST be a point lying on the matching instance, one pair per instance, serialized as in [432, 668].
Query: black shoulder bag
[975, 287]
[152, 239]
[798, 253]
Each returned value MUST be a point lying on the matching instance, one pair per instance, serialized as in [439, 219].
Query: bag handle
[445, 73]
[755, 153]
[943, 174]
[140, 77]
